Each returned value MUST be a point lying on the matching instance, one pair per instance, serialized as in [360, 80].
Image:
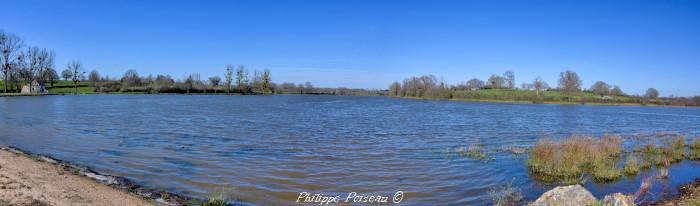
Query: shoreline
[413, 98]
[545, 103]
[33, 179]
[688, 194]
[21, 184]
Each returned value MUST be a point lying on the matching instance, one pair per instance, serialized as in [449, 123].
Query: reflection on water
[267, 149]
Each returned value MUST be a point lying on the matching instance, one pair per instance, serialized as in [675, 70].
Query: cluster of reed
[694, 153]
[576, 156]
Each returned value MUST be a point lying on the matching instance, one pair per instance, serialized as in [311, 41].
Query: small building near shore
[34, 88]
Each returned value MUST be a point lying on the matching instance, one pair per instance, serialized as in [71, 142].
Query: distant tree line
[21, 65]
[236, 80]
[502, 87]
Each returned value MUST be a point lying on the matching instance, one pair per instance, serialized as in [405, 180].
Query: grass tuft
[576, 156]
[605, 170]
[694, 153]
[505, 195]
[632, 166]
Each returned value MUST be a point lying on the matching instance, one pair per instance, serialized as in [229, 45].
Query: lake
[265, 150]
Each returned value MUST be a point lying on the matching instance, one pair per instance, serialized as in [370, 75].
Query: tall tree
[601, 88]
[130, 79]
[616, 91]
[241, 79]
[308, 88]
[94, 77]
[266, 81]
[496, 81]
[474, 84]
[67, 74]
[652, 93]
[509, 77]
[229, 77]
[214, 82]
[77, 73]
[10, 46]
[51, 76]
[569, 82]
[27, 65]
[46, 62]
[539, 85]
[395, 89]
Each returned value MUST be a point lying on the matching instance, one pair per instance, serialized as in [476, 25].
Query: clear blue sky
[369, 44]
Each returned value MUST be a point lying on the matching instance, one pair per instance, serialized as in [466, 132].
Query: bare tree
[214, 82]
[164, 81]
[10, 46]
[496, 82]
[27, 65]
[509, 79]
[539, 85]
[130, 79]
[474, 84]
[50, 75]
[229, 77]
[94, 77]
[256, 82]
[77, 73]
[395, 89]
[266, 81]
[652, 93]
[67, 74]
[569, 82]
[601, 88]
[189, 83]
[616, 91]
[241, 79]
[46, 62]
[308, 88]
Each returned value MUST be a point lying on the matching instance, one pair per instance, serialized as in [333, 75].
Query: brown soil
[27, 181]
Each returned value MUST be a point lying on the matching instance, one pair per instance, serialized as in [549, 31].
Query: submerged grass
[605, 169]
[505, 195]
[631, 166]
[694, 153]
[672, 148]
[575, 157]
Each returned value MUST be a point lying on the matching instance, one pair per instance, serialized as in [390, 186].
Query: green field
[61, 87]
[67, 87]
[552, 96]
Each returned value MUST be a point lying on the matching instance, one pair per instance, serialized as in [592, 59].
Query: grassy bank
[546, 97]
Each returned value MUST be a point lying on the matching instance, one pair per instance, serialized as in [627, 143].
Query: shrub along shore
[498, 88]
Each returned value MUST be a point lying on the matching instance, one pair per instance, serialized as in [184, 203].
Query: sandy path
[25, 181]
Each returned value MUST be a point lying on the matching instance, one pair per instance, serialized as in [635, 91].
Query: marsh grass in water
[473, 151]
[216, 198]
[661, 149]
[212, 201]
[632, 166]
[576, 156]
[505, 195]
[694, 153]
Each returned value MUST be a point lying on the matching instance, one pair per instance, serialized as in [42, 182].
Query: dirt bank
[688, 194]
[25, 180]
